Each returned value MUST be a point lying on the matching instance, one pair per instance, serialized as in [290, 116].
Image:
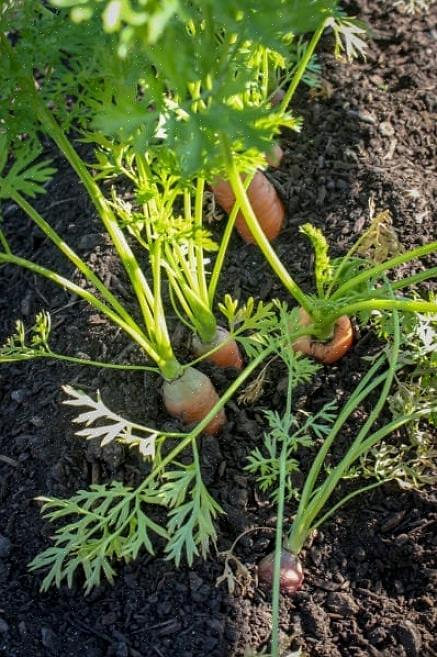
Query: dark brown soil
[371, 573]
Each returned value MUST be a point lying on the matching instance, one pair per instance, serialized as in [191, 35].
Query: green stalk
[414, 279]
[71, 255]
[138, 337]
[175, 289]
[354, 282]
[82, 361]
[136, 276]
[4, 242]
[200, 266]
[276, 589]
[302, 66]
[220, 258]
[344, 501]
[170, 367]
[406, 305]
[360, 393]
[257, 232]
[265, 74]
[191, 280]
[307, 513]
[279, 529]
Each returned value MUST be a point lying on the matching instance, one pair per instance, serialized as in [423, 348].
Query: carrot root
[191, 397]
[275, 155]
[265, 202]
[227, 356]
[326, 352]
[277, 97]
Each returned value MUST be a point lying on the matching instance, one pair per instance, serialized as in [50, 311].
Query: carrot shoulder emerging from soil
[191, 397]
[332, 350]
[265, 202]
[228, 355]
[291, 572]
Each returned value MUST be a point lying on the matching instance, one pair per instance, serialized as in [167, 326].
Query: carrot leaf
[322, 267]
[104, 523]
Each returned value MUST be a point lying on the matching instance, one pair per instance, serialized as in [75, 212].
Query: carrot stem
[258, 233]
[311, 504]
[302, 66]
[219, 261]
[70, 254]
[138, 337]
[418, 252]
[407, 305]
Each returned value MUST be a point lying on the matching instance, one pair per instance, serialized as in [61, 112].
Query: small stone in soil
[19, 395]
[4, 627]
[363, 116]
[49, 639]
[341, 603]
[409, 637]
[5, 547]
[121, 650]
[386, 129]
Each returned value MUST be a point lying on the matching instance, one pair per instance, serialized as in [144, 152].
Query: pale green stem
[258, 234]
[344, 501]
[136, 276]
[174, 289]
[220, 258]
[143, 174]
[304, 519]
[191, 280]
[138, 337]
[383, 267]
[72, 256]
[4, 242]
[302, 66]
[200, 268]
[279, 528]
[171, 368]
[86, 361]
[414, 279]
[380, 304]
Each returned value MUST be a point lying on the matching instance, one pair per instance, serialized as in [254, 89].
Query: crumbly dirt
[371, 571]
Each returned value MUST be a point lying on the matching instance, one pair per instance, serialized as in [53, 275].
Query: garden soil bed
[371, 572]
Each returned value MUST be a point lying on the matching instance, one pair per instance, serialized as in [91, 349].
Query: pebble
[392, 522]
[89, 241]
[409, 637]
[4, 627]
[49, 639]
[386, 129]
[364, 116]
[121, 650]
[341, 603]
[5, 547]
[19, 395]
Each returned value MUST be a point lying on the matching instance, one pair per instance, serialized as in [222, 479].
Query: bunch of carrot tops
[179, 99]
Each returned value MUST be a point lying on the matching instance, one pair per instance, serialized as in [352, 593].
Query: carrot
[191, 397]
[277, 97]
[265, 203]
[227, 356]
[275, 155]
[326, 352]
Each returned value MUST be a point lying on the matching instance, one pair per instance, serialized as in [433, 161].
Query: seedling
[114, 521]
[284, 568]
